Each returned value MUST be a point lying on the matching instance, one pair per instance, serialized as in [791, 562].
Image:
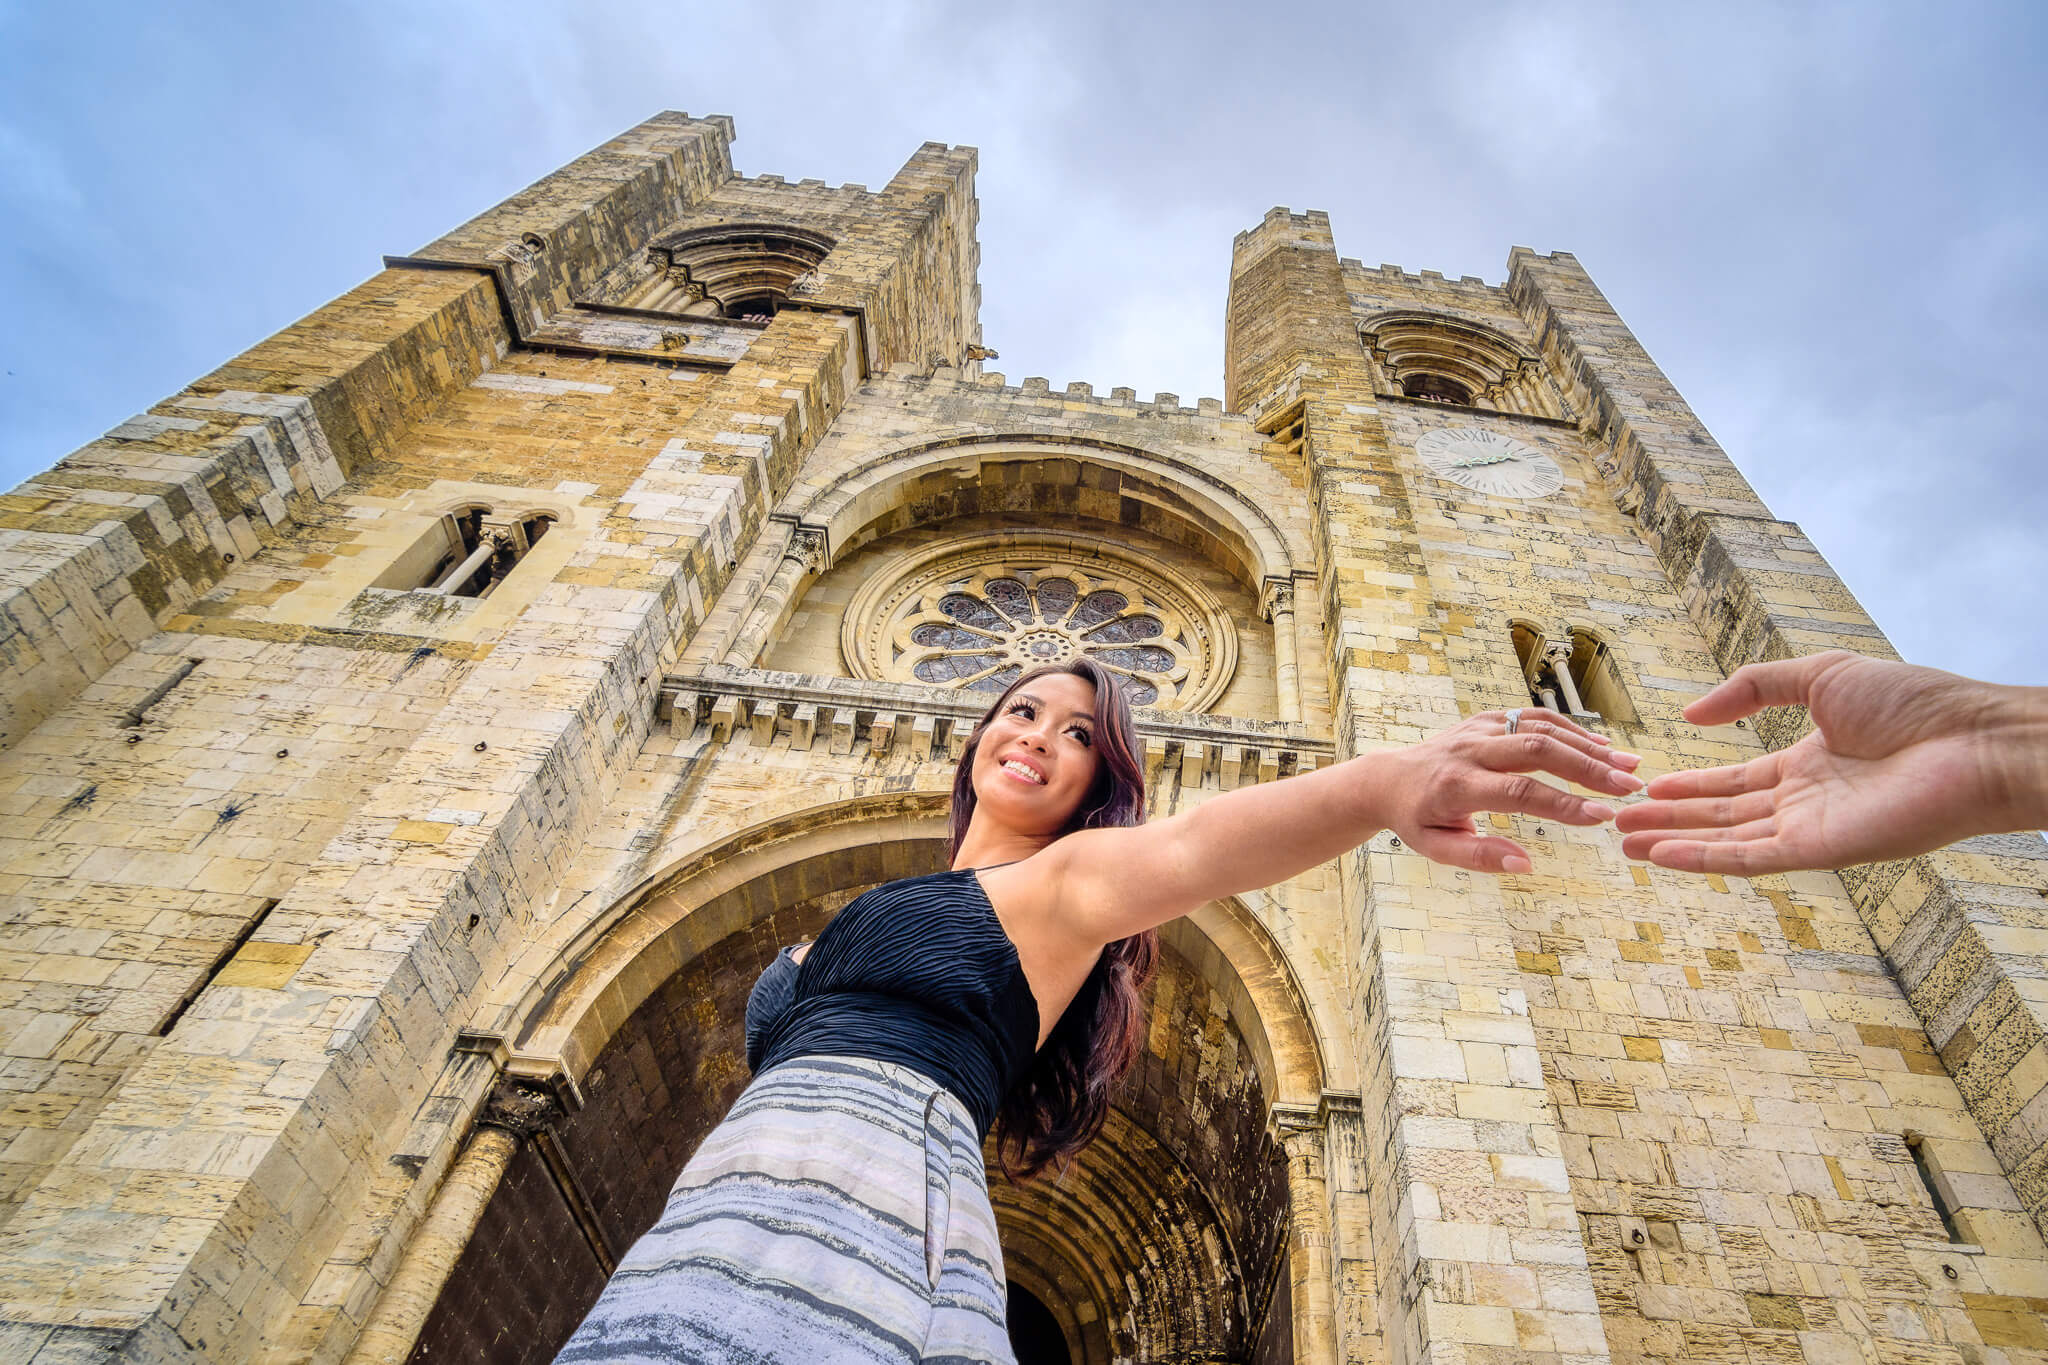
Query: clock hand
[1483, 460]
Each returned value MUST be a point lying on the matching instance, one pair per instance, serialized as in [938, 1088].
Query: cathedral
[419, 732]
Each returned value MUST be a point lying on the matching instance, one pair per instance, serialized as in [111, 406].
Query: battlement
[964, 159]
[1122, 400]
[965, 156]
[1311, 228]
[849, 191]
[1423, 279]
[1306, 218]
[1530, 253]
[677, 117]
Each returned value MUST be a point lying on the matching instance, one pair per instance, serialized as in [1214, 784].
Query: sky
[1825, 222]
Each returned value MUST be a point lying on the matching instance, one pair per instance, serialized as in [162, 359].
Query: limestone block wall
[1292, 341]
[151, 827]
[1959, 929]
[1729, 1062]
[1627, 1112]
[910, 268]
[102, 549]
[229, 1188]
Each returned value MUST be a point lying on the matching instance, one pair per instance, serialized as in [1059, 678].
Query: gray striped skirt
[839, 1213]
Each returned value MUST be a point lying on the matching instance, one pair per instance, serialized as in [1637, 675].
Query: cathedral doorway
[1166, 1240]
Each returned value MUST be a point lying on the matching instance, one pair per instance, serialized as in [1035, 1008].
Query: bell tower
[1514, 506]
[420, 731]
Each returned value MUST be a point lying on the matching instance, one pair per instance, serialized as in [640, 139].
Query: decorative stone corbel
[809, 547]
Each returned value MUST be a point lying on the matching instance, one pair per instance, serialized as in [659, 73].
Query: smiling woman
[841, 1210]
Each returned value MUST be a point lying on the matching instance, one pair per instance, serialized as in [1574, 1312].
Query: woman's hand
[1098, 885]
[1902, 760]
[1438, 785]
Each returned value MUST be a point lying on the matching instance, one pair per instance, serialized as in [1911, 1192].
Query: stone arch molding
[857, 497]
[1143, 1222]
[598, 979]
[1493, 369]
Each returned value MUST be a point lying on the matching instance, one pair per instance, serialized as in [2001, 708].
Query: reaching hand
[1475, 766]
[1901, 760]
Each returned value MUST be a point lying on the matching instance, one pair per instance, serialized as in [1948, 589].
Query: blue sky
[1825, 221]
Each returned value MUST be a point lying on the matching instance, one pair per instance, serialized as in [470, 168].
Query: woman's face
[1037, 759]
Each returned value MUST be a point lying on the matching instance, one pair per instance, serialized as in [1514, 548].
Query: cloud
[1823, 220]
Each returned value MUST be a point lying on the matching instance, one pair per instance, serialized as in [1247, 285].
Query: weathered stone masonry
[371, 956]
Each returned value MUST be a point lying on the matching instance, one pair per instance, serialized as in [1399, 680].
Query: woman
[840, 1212]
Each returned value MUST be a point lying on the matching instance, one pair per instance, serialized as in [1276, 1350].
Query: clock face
[1489, 463]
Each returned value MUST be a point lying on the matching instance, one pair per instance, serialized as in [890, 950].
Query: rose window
[978, 617]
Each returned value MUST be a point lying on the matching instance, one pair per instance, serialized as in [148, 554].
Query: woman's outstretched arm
[1110, 883]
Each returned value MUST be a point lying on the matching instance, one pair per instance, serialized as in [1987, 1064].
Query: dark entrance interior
[1034, 1332]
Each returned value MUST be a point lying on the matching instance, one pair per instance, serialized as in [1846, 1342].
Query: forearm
[2018, 742]
[1118, 881]
[1256, 836]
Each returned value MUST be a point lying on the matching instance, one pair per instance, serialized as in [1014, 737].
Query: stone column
[510, 1116]
[1347, 1178]
[804, 556]
[469, 568]
[1560, 657]
[1277, 605]
[1311, 1275]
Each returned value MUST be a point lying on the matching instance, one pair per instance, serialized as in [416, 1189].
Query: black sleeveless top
[918, 972]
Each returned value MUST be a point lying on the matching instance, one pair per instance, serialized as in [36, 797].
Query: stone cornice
[878, 718]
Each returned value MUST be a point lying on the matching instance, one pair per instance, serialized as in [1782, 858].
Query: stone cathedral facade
[420, 730]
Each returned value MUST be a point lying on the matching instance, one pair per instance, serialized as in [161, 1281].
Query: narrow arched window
[449, 541]
[745, 272]
[1597, 680]
[1442, 359]
[465, 553]
[1574, 674]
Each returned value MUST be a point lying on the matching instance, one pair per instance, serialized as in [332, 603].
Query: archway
[1166, 1240]
[993, 488]
[1104, 481]
[1444, 359]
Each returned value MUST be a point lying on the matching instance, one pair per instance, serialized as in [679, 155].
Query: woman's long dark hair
[1063, 1100]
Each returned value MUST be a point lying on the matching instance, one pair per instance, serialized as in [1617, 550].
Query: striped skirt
[839, 1213]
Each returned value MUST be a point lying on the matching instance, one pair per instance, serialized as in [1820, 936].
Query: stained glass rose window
[976, 616]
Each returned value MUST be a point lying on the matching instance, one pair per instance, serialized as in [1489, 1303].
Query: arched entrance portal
[1166, 1240]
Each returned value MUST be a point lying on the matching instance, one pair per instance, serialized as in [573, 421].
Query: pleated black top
[917, 972]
